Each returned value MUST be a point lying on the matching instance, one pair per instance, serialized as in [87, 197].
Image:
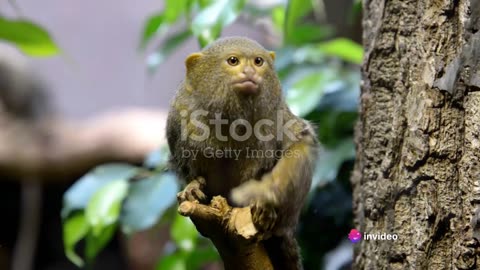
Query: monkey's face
[246, 72]
[243, 71]
[234, 76]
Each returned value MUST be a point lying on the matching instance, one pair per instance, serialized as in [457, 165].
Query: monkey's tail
[284, 252]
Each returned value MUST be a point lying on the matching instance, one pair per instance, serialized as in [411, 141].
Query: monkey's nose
[248, 70]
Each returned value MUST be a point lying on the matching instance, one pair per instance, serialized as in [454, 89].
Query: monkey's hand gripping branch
[231, 231]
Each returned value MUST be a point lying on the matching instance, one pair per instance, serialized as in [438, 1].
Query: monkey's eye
[233, 61]
[259, 61]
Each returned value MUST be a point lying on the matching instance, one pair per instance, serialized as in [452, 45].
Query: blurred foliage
[191, 252]
[29, 37]
[320, 77]
[133, 199]
[111, 195]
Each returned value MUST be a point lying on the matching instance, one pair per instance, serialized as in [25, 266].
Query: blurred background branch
[58, 149]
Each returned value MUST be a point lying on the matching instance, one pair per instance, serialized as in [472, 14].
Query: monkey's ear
[192, 59]
[272, 54]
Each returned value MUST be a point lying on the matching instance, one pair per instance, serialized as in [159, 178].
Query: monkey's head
[234, 67]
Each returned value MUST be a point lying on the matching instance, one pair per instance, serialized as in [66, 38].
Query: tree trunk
[417, 171]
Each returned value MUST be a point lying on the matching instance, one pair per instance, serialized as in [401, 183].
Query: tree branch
[54, 149]
[231, 231]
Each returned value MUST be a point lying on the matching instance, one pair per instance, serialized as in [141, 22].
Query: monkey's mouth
[246, 86]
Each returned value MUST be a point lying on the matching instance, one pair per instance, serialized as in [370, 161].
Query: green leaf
[159, 22]
[306, 33]
[334, 125]
[296, 10]
[308, 54]
[189, 6]
[96, 242]
[284, 60]
[355, 12]
[75, 229]
[151, 26]
[168, 46]
[28, 37]
[102, 214]
[205, 3]
[201, 256]
[343, 100]
[330, 160]
[209, 22]
[184, 233]
[278, 17]
[305, 94]
[147, 201]
[158, 159]
[78, 195]
[103, 209]
[174, 261]
[175, 8]
[343, 48]
[345, 95]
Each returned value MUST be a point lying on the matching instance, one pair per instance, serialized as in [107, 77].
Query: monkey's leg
[193, 191]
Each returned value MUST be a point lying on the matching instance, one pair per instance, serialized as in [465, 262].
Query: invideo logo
[355, 236]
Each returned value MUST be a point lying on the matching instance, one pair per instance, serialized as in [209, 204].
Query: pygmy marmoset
[231, 133]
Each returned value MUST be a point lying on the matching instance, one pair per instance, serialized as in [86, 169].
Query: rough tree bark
[418, 138]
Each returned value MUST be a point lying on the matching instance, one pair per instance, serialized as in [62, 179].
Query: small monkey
[231, 133]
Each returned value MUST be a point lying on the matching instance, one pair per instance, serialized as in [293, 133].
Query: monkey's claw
[193, 192]
[264, 217]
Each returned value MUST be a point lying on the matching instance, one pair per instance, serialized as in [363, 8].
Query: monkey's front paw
[264, 216]
[193, 192]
